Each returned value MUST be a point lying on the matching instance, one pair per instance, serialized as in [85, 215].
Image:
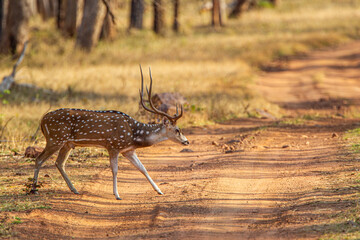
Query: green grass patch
[20, 203]
[346, 224]
[294, 121]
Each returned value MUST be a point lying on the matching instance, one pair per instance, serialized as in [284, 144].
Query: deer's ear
[166, 121]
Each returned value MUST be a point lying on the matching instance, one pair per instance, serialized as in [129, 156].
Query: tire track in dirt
[275, 182]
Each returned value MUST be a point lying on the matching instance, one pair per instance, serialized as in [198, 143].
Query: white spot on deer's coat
[47, 130]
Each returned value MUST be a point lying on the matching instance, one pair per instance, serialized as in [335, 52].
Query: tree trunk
[159, 15]
[239, 8]
[136, 14]
[1, 16]
[5, 4]
[44, 9]
[91, 23]
[216, 14]
[108, 28]
[17, 29]
[60, 14]
[108, 31]
[70, 21]
[33, 8]
[176, 24]
[53, 7]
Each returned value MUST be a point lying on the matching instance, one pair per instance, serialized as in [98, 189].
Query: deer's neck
[149, 134]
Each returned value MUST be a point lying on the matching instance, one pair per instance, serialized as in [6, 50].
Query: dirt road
[245, 179]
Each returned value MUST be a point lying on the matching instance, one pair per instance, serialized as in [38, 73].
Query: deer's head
[172, 131]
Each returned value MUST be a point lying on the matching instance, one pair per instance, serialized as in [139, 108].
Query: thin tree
[44, 8]
[1, 16]
[136, 14]
[70, 18]
[216, 14]
[60, 14]
[89, 31]
[176, 24]
[108, 30]
[16, 30]
[159, 17]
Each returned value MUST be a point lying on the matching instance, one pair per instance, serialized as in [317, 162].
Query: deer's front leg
[114, 168]
[131, 156]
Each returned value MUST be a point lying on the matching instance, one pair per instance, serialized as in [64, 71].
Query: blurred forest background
[86, 54]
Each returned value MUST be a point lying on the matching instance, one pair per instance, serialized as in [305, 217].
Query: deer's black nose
[186, 142]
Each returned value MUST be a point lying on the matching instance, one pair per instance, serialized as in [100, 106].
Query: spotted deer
[115, 131]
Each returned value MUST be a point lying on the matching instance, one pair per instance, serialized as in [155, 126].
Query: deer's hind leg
[60, 164]
[44, 155]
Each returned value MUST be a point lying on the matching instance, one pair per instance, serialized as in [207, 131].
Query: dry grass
[213, 69]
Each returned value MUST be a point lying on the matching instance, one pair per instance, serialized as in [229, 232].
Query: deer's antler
[153, 109]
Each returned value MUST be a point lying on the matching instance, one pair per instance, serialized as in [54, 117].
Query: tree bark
[91, 23]
[176, 24]
[70, 21]
[1, 16]
[239, 8]
[216, 14]
[53, 7]
[108, 31]
[43, 7]
[159, 15]
[60, 14]
[16, 29]
[136, 14]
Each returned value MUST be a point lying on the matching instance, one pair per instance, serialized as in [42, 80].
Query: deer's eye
[177, 131]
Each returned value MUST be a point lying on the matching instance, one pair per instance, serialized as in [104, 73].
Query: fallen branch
[8, 81]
